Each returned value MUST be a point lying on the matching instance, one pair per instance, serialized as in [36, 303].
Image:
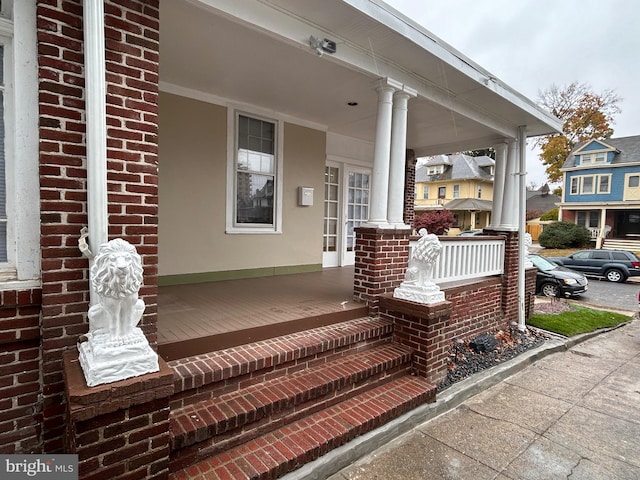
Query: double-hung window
[255, 166]
[456, 191]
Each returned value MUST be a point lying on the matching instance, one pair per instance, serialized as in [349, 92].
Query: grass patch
[578, 320]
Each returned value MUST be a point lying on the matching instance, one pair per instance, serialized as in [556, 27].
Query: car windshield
[542, 263]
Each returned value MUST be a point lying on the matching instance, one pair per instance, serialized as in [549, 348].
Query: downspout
[96, 124]
[522, 143]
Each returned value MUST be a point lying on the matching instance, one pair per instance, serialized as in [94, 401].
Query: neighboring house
[539, 201]
[223, 139]
[602, 188]
[542, 200]
[459, 183]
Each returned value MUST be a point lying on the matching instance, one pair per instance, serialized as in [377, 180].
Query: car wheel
[549, 290]
[614, 275]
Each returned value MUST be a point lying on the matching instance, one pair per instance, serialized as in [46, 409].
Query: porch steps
[263, 409]
[621, 244]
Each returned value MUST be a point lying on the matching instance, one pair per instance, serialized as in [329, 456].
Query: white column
[395, 207]
[498, 183]
[95, 91]
[602, 232]
[379, 196]
[509, 219]
[522, 206]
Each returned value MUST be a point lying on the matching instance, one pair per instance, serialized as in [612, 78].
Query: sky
[533, 44]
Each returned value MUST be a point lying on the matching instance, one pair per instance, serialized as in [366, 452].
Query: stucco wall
[192, 195]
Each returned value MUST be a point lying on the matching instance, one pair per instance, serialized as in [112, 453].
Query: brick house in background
[199, 88]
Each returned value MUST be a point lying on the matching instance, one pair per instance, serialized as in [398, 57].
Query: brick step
[235, 417]
[291, 446]
[213, 374]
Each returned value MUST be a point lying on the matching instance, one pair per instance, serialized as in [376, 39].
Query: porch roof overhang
[256, 53]
[470, 204]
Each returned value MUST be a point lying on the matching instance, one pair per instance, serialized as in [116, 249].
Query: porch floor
[200, 318]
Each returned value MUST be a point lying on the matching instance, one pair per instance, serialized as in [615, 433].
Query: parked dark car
[552, 280]
[614, 265]
[471, 233]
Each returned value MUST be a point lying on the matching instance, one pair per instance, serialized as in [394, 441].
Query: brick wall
[431, 330]
[382, 256]
[409, 187]
[20, 408]
[132, 34]
[119, 430]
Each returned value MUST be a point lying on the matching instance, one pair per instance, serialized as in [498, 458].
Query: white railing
[467, 258]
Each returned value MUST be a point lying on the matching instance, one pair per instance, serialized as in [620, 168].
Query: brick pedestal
[382, 257]
[426, 329]
[119, 430]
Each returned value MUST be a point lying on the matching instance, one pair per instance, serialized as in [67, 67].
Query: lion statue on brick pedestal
[115, 348]
[116, 277]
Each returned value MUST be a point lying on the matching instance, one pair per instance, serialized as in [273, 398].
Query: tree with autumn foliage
[437, 222]
[585, 115]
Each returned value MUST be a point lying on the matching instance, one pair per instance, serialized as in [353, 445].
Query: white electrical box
[305, 196]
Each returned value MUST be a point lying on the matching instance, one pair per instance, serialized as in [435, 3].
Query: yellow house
[459, 183]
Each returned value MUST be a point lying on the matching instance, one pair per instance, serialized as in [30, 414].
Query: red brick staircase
[264, 409]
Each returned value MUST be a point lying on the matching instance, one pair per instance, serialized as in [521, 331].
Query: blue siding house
[602, 188]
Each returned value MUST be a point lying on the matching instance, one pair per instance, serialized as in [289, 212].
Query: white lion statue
[423, 258]
[116, 277]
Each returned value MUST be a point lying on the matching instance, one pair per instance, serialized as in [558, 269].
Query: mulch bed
[464, 360]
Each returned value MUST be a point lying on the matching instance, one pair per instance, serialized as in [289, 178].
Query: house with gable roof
[602, 190]
[459, 183]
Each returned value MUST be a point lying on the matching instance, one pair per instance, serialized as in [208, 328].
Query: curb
[344, 456]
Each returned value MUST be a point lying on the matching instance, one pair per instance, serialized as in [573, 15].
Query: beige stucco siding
[192, 195]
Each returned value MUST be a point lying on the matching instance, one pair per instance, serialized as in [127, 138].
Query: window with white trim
[425, 192]
[456, 191]
[593, 158]
[590, 184]
[3, 189]
[634, 181]
[255, 180]
[19, 216]
[479, 191]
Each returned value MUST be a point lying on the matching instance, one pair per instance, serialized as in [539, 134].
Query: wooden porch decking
[200, 318]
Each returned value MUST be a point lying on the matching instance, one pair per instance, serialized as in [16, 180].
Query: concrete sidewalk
[572, 414]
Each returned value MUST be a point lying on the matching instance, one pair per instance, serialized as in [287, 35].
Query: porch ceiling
[256, 53]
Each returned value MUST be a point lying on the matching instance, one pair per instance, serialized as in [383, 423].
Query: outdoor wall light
[322, 45]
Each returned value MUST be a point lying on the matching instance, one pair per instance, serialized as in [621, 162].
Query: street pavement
[565, 410]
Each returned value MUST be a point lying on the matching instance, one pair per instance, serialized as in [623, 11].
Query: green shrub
[564, 235]
[550, 215]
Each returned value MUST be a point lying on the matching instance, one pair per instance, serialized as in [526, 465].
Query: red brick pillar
[132, 60]
[530, 291]
[426, 329]
[118, 430]
[410, 188]
[382, 257]
[510, 275]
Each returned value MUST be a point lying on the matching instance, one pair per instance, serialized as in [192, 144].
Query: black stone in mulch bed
[464, 360]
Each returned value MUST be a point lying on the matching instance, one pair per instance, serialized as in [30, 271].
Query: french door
[346, 206]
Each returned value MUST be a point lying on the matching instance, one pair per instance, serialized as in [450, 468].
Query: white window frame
[232, 146]
[19, 38]
[577, 185]
[425, 192]
[593, 158]
[599, 189]
[456, 190]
